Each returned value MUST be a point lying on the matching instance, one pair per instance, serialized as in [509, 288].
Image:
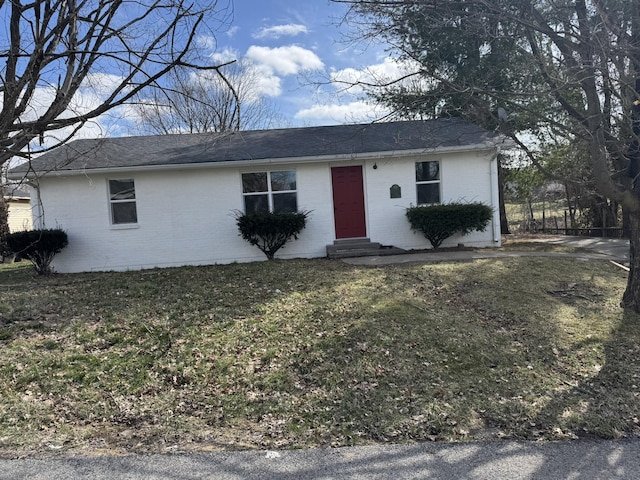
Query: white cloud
[263, 78]
[271, 64]
[289, 60]
[354, 81]
[289, 30]
[206, 41]
[115, 123]
[225, 56]
[232, 31]
[91, 94]
[343, 101]
[267, 83]
[353, 112]
[99, 85]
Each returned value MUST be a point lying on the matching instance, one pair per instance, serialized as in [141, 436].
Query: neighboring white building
[161, 201]
[18, 201]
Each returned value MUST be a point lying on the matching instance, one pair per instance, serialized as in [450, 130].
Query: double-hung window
[428, 182]
[270, 192]
[122, 200]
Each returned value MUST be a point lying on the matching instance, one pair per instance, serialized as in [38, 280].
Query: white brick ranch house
[161, 201]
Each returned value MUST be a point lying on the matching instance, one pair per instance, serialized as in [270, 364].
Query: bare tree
[54, 51]
[208, 101]
[565, 72]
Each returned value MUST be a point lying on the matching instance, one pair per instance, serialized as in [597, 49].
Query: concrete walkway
[615, 247]
[595, 248]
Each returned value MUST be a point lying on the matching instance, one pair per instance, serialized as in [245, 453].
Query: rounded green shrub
[439, 222]
[38, 246]
[271, 231]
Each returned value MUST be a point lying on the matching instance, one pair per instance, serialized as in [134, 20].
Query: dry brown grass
[300, 353]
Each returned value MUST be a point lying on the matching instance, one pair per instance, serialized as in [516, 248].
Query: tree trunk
[631, 297]
[504, 221]
[4, 223]
[626, 228]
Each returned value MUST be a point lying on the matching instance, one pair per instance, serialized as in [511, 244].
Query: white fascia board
[14, 198]
[485, 146]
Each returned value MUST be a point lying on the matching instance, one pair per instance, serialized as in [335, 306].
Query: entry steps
[360, 247]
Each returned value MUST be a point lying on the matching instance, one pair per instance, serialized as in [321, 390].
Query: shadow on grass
[604, 401]
[315, 353]
[467, 354]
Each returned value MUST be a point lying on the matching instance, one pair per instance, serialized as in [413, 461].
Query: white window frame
[430, 182]
[269, 192]
[113, 202]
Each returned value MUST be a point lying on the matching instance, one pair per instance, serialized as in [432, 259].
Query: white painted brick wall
[185, 217]
[465, 177]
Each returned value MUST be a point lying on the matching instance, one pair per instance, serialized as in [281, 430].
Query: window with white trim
[270, 192]
[428, 182]
[122, 200]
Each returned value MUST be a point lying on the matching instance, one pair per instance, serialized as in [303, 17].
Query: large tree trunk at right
[631, 297]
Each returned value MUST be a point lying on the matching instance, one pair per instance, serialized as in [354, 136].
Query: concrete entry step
[359, 247]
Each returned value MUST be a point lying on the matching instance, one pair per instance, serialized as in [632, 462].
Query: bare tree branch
[197, 101]
[55, 48]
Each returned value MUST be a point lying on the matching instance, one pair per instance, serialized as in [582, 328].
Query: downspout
[495, 198]
[37, 210]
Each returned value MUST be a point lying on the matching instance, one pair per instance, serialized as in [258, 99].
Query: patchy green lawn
[290, 354]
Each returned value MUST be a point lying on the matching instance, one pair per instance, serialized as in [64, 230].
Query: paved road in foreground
[609, 460]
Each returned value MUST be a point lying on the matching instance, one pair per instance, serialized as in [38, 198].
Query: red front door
[348, 202]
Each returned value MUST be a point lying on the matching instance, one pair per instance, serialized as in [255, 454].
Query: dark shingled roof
[331, 141]
[15, 192]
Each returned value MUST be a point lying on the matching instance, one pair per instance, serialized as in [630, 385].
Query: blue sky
[299, 51]
[295, 45]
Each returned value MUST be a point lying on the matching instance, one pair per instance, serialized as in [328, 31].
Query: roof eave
[484, 146]
[12, 198]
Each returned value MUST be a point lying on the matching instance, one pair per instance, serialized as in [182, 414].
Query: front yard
[302, 353]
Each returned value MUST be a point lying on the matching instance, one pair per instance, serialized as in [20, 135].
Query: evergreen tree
[560, 73]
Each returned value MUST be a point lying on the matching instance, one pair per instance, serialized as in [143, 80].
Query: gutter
[485, 146]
